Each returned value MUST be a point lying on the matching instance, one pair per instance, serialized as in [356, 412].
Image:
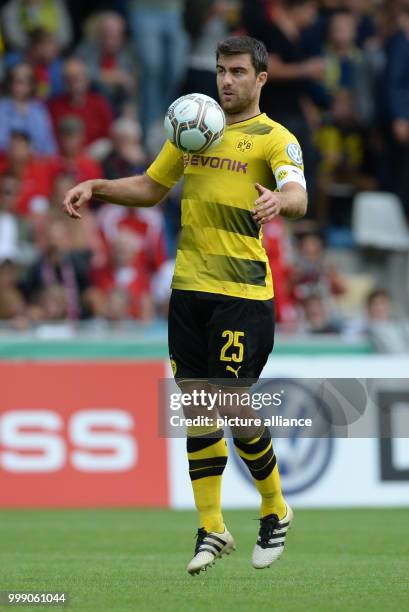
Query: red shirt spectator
[72, 160]
[145, 223]
[126, 270]
[32, 172]
[79, 101]
[275, 244]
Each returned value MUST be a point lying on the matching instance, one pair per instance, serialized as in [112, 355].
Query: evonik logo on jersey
[215, 163]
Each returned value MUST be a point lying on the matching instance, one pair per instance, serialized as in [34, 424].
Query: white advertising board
[320, 472]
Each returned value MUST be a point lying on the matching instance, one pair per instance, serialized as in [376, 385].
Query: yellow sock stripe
[203, 468]
[250, 456]
[255, 440]
[216, 450]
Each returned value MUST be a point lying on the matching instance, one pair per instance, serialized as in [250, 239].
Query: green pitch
[119, 560]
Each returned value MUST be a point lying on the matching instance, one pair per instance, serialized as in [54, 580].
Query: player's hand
[267, 206]
[77, 197]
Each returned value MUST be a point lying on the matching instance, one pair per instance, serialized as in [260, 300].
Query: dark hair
[237, 45]
[10, 73]
[292, 4]
[21, 135]
[375, 294]
[38, 35]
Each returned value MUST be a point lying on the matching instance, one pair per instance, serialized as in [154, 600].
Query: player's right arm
[143, 190]
[130, 191]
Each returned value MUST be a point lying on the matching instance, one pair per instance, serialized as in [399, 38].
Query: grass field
[119, 560]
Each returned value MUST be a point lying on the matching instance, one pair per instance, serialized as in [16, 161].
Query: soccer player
[221, 317]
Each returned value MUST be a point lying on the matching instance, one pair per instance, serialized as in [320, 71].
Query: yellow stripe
[215, 450]
[219, 242]
[254, 456]
[187, 261]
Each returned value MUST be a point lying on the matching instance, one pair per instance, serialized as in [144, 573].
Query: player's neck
[249, 113]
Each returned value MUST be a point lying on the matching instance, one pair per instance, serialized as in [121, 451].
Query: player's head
[241, 72]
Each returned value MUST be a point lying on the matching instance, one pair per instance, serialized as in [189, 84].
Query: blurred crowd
[84, 90]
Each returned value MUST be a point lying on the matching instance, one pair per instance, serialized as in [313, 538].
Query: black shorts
[219, 338]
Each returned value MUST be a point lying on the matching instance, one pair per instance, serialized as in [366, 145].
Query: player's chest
[238, 155]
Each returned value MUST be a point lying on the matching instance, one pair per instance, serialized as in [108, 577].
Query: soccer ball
[195, 123]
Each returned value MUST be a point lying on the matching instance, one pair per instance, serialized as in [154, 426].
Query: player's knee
[195, 396]
[233, 402]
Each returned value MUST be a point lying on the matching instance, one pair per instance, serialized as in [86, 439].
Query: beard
[235, 104]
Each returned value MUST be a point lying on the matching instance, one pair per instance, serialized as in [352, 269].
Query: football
[195, 123]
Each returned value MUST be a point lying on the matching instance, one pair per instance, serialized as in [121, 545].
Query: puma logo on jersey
[236, 372]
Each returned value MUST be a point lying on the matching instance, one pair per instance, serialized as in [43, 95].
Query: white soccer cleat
[209, 547]
[271, 539]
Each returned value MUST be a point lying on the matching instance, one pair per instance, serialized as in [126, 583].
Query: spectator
[127, 271]
[396, 86]
[53, 304]
[161, 44]
[346, 66]
[42, 54]
[366, 29]
[31, 172]
[12, 304]
[313, 36]
[207, 24]
[312, 275]
[20, 17]
[19, 110]
[286, 95]
[388, 332]
[72, 160]
[346, 159]
[80, 101]
[117, 308]
[9, 225]
[146, 223]
[84, 236]
[276, 243]
[317, 318]
[379, 306]
[58, 264]
[127, 155]
[110, 61]
[255, 13]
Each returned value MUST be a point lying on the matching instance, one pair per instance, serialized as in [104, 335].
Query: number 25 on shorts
[233, 345]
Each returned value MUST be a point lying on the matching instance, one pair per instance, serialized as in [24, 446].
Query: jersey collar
[246, 121]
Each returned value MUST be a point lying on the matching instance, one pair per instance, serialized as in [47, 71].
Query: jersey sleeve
[283, 153]
[168, 166]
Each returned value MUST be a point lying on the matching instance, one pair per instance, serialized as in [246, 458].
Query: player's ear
[262, 78]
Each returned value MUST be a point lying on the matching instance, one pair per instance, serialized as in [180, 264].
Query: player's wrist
[96, 186]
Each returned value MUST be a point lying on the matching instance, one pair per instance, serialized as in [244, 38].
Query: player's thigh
[187, 337]
[241, 337]
[200, 404]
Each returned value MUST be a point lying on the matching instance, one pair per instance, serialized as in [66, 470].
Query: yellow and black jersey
[220, 249]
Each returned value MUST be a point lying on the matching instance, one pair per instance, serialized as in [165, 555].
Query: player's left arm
[290, 202]
[284, 156]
